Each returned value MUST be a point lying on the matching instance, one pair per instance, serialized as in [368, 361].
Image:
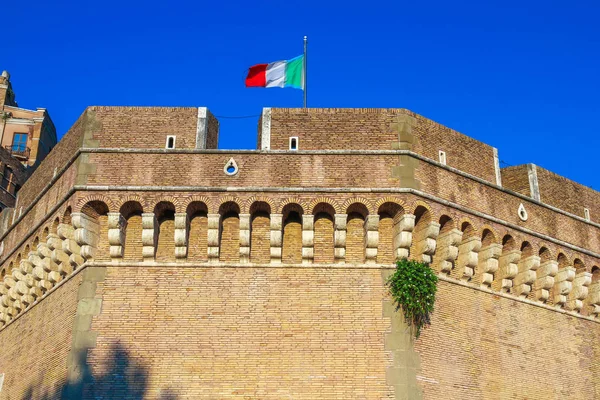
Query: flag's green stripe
[293, 72]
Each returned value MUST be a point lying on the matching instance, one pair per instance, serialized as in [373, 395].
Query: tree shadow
[125, 379]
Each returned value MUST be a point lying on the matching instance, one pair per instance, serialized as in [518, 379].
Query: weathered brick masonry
[132, 270]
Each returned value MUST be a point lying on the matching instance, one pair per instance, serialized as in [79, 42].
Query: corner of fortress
[141, 259]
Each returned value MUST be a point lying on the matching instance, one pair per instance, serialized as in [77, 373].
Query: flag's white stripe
[276, 74]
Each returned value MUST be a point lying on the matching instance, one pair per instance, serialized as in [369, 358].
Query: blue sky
[521, 76]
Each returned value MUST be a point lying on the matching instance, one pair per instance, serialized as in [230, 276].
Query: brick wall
[385, 250]
[254, 169]
[230, 239]
[292, 242]
[485, 346]
[212, 135]
[241, 333]
[197, 241]
[323, 242]
[133, 239]
[516, 178]
[260, 239]
[145, 127]
[34, 348]
[305, 333]
[355, 239]
[372, 129]
[166, 241]
[567, 195]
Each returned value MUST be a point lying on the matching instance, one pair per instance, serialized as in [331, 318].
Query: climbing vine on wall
[413, 286]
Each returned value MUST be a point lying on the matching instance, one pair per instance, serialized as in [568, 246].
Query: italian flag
[287, 73]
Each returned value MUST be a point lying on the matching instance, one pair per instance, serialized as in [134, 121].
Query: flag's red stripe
[257, 76]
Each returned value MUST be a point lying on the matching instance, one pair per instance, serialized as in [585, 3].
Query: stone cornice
[20, 121]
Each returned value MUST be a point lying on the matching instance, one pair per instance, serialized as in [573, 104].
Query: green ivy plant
[413, 286]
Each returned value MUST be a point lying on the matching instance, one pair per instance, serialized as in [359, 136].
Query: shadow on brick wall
[124, 378]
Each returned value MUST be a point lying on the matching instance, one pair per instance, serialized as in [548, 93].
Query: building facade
[28, 135]
[140, 262]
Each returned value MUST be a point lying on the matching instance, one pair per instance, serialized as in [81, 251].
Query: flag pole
[304, 69]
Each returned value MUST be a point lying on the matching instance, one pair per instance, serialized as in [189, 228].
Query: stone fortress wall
[268, 281]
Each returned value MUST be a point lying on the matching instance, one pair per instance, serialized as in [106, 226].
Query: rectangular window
[443, 157]
[19, 143]
[586, 214]
[170, 142]
[294, 143]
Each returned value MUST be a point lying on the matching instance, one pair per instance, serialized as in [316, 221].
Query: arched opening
[389, 219]
[197, 214]
[595, 274]
[526, 250]
[291, 252]
[323, 236]
[446, 224]
[66, 219]
[18, 260]
[468, 231]
[487, 238]
[545, 255]
[2, 273]
[260, 232]
[45, 234]
[11, 266]
[579, 266]
[230, 232]
[164, 212]
[563, 261]
[355, 233]
[508, 243]
[55, 225]
[132, 212]
[97, 211]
